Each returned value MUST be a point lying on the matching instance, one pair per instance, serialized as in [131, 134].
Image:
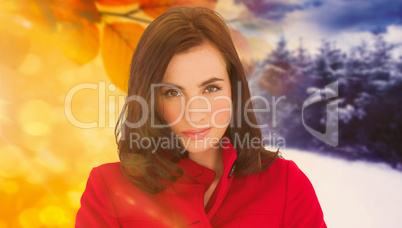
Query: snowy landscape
[353, 194]
[358, 96]
[311, 44]
[359, 181]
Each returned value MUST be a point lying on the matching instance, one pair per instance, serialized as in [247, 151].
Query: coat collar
[196, 173]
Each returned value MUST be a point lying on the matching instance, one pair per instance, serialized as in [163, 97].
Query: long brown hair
[176, 31]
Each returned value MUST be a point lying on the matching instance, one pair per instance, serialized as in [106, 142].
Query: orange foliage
[119, 43]
[71, 10]
[155, 8]
[74, 27]
[79, 41]
[38, 13]
[244, 50]
[118, 3]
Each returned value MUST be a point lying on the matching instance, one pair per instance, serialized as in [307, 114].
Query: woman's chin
[199, 146]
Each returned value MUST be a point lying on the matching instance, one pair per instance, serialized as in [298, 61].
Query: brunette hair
[176, 31]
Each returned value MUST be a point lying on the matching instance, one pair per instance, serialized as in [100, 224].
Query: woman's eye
[175, 93]
[172, 93]
[212, 88]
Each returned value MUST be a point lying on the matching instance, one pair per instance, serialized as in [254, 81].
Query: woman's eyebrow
[214, 79]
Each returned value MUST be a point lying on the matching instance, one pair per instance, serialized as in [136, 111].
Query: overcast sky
[346, 22]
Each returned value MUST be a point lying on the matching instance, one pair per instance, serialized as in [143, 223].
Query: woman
[184, 146]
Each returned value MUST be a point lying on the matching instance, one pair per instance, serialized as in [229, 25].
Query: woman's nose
[197, 109]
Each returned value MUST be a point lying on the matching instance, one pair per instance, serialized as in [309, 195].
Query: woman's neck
[211, 159]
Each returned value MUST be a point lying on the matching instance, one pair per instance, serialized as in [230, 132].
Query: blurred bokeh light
[44, 159]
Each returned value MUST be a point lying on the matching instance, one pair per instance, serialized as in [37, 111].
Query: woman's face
[196, 98]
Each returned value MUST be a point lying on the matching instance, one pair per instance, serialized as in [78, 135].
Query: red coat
[279, 196]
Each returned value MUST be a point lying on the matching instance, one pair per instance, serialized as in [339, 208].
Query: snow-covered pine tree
[328, 67]
[370, 94]
[302, 57]
[385, 113]
[275, 79]
[373, 91]
[303, 67]
[329, 64]
[279, 77]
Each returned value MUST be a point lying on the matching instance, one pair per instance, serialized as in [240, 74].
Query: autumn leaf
[39, 13]
[119, 43]
[271, 80]
[154, 8]
[244, 50]
[70, 23]
[259, 48]
[46, 13]
[279, 79]
[79, 41]
[71, 10]
[117, 2]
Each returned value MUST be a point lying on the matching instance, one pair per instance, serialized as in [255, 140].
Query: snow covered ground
[353, 194]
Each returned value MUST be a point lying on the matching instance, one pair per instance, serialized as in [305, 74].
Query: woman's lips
[197, 133]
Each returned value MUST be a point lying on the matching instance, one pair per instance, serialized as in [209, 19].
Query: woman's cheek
[171, 112]
[221, 113]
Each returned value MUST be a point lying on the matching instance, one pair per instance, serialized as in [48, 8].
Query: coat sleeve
[97, 209]
[302, 208]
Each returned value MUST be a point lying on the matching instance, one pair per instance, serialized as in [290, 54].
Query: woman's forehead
[196, 66]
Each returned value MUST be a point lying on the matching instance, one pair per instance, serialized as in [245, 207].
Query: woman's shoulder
[287, 171]
[106, 173]
[106, 168]
[284, 170]
[280, 164]
[111, 166]
[111, 178]
[285, 176]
